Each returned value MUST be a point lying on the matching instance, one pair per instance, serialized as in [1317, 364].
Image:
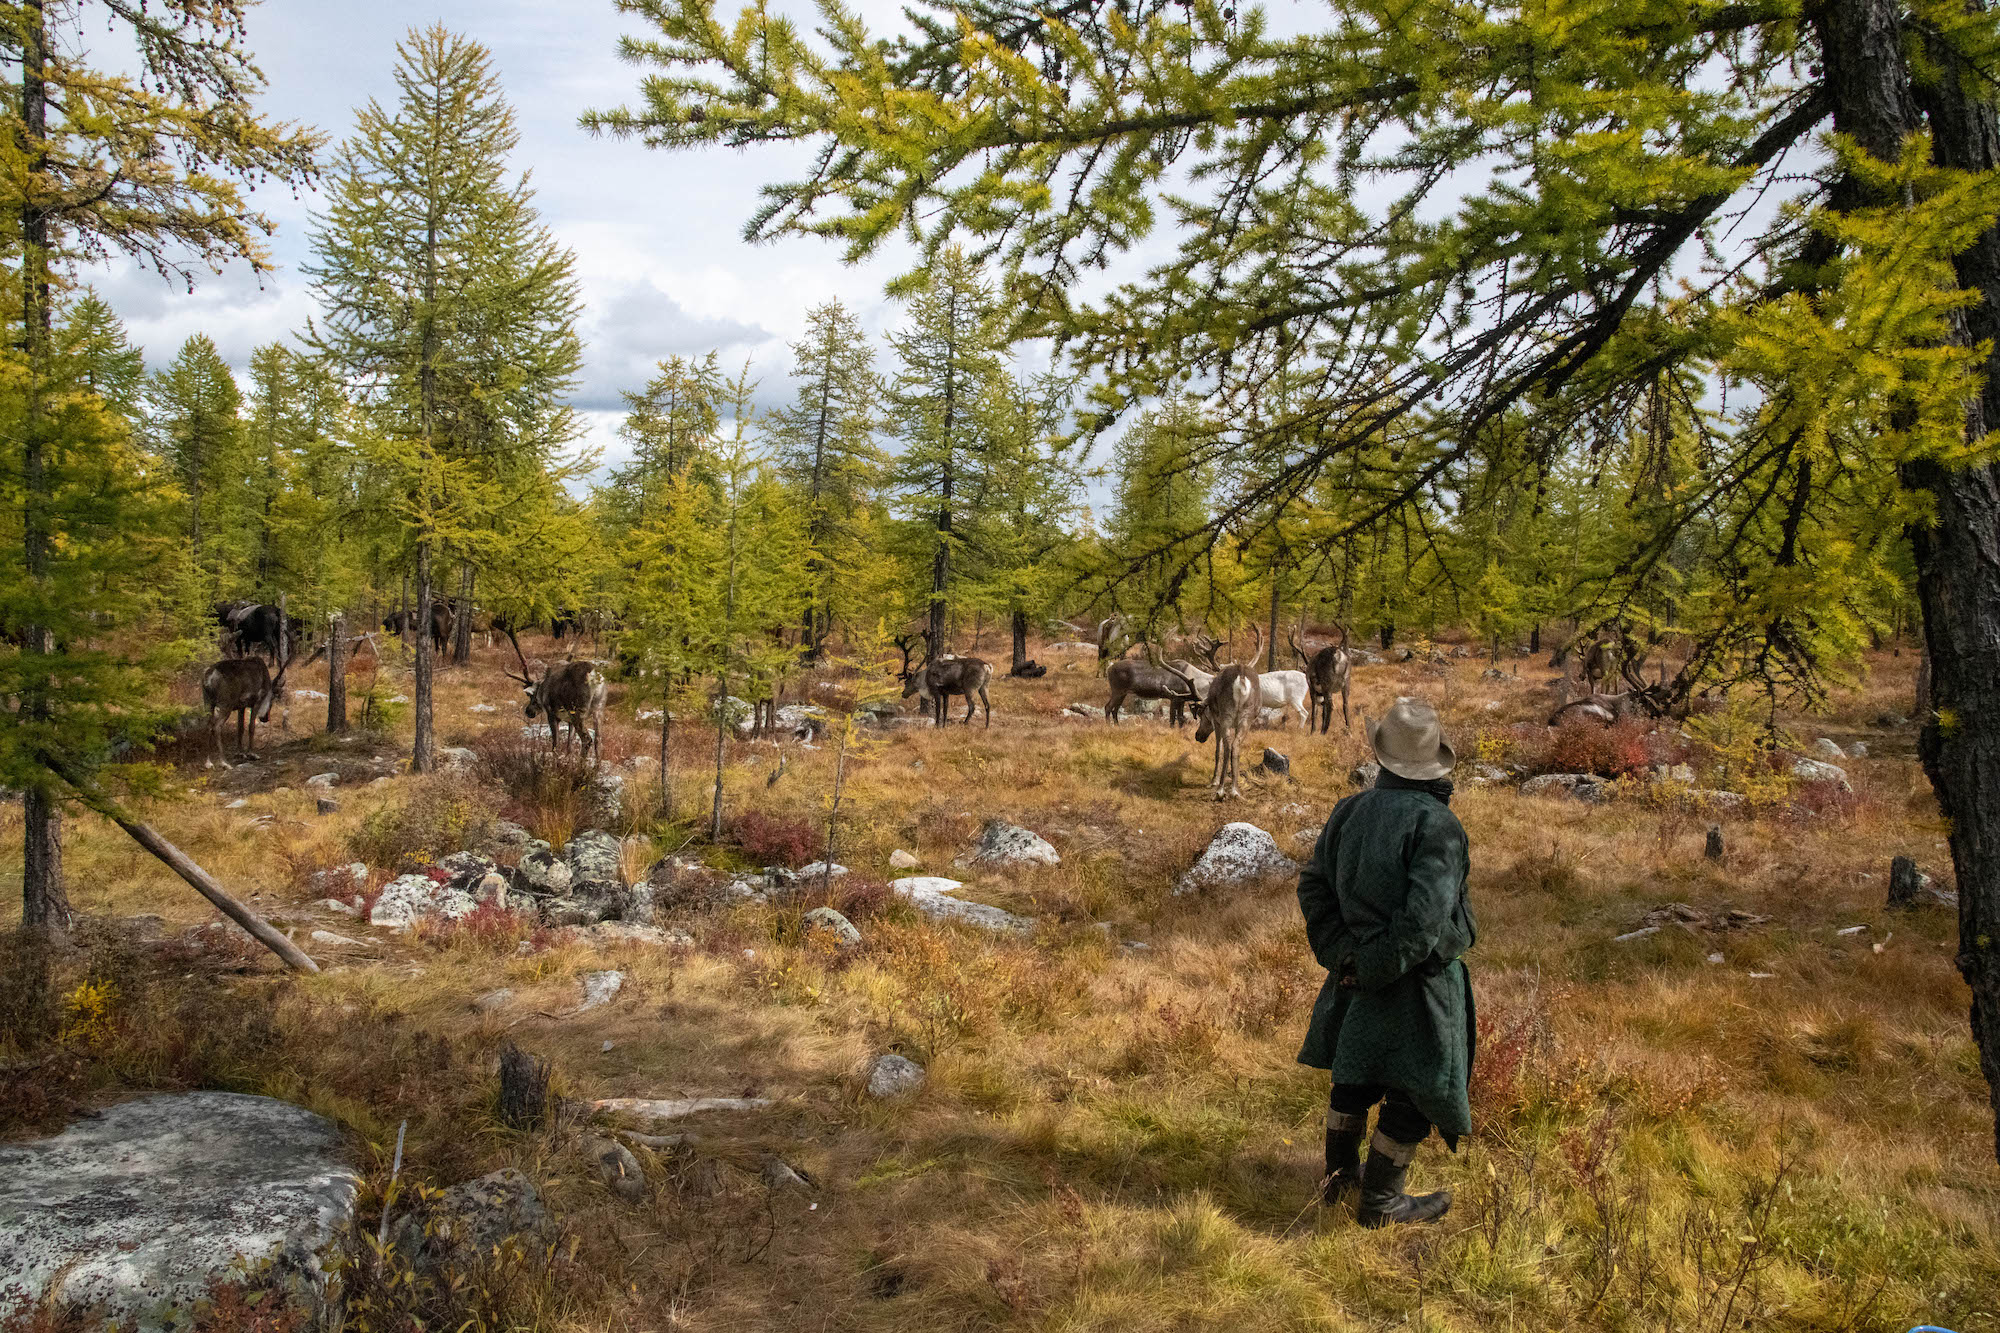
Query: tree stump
[1903, 882]
[1714, 849]
[524, 1088]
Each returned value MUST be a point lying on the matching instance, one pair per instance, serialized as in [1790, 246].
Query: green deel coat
[1384, 902]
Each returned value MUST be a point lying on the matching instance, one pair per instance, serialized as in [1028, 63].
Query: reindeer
[1151, 679]
[1286, 691]
[1108, 629]
[242, 686]
[572, 692]
[1328, 670]
[1598, 660]
[941, 677]
[1226, 713]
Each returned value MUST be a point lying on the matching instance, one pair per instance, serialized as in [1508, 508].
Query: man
[1384, 902]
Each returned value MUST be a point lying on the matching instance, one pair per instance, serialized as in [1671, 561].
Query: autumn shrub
[772, 840]
[549, 792]
[1585, 746]
[439, 814]
[491, 927]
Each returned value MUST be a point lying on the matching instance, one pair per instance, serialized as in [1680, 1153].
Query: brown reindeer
[1150, 679]
[1227, 711]
[242, 686]
[941, 677]
[1598, 661]
[571, 692]
[1328, 670]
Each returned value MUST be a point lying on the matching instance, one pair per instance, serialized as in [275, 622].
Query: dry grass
[1113, 1138]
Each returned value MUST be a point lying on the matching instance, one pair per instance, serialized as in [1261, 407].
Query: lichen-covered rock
[1276, 764]
[408, 899]
[594, 854]
[1587, 787]
[902, 860]
[456, 759]
[607, 799]
[504, 835]
[894, 1076]
[1365, 773]
[1004, 844]
[1828, 748]
[606, 933]
[1238, 854]
[143, 1207]
[1858, 750]
[825, 922]
[601, 988]
[466, 869]
[470, 1220]
[1815, 770]
[541, 871]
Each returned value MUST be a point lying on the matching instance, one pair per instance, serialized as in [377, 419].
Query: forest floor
[1770, 1121]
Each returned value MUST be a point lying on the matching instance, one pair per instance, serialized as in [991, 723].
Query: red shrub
[770, 840]
[1584, 746]
[489, 926]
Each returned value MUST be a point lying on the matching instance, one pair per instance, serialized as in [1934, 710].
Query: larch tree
[1486, 233]
[195, 419]
[108, 364]
[1023, 502]
[669, 427]
[824, 445]
[143, 157]
[446, 307]
[946, 358]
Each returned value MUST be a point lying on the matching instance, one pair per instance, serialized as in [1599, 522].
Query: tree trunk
[422, 760]
[45, 909]
[1388, 635]
[1958, 557]
[1535, 638]
[1020, 641]
[524, 1088]
[336, 677]
[666, 750]
[461, 621]
[1271, 639]
[1923, 699]
[721, 743]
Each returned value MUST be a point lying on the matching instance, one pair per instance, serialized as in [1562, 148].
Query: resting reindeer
[1226, 713]
[1328, 670]
[243, 686]
[571, 692]
[941, 677]
[1148, 680]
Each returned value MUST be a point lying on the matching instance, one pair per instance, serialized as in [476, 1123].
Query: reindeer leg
[988, 704]
[221, 721]
[1346, 722]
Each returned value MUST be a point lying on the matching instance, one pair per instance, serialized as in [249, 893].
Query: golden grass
[1120, 1139]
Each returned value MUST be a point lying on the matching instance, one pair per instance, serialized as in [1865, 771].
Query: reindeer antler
[526, 677]
[1252, 659]
[1291, 637]
[1205, 646]
[905, 643]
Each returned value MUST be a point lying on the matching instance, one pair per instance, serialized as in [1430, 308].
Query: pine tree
[449, 311]
[825, 448]
[670, 427]
[947, 359]
[140, 158]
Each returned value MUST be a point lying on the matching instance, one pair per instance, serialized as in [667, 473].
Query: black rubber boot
[1343, 1157]
[1382, 1199]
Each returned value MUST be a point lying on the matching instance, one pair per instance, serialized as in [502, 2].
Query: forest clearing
[1111, 1131]
[1338, 668]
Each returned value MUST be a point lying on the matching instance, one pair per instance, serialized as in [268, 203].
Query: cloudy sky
[657, 236]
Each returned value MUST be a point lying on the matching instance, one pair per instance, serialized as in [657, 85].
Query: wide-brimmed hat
[1410, 742]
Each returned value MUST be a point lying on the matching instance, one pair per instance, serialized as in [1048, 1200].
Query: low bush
[1585, 746]
[440, 814]
[550, 793]
[771, 840]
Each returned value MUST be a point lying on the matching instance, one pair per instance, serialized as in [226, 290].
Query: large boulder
[892, 1076]
[594, 854]
[467, 870]
[1238, 854]
[1004, 844]
[142, 1208]
[408, 899]
[542, 871]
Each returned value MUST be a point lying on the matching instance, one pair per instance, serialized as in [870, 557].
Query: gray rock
[468, 1221]
[818, 870]
[1858, 750]
[466, 869]
[600, 988]
[1493, 673]
[1238, 854]
[542, 872]
[494, 1000]
[504, 835]
[932, 895]
[1084, 710]
[779, 1174]
[1277, 765]
[408, 899]
[893, 1076]
[332, 940]
[607, 933]
[831, 924]
[639, 904]
[142, 1207]
[617, 1168]
[492, 888]
[1486, 775]
[594, 855]
[1365, 773]
[322, 781]
[1004, 844]
[902, 860]
[1828, 748]
[326, 805]
[1814, 770]
[1586, 787]
[237, 804]
[456, 759]
[607, 798]
[1674, 773]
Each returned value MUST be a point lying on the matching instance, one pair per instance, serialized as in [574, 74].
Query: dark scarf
[1438, 787]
